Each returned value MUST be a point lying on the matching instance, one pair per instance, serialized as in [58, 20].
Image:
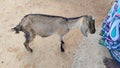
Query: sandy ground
[80, 52]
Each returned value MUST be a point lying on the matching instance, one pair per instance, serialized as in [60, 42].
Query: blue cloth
[110, 32]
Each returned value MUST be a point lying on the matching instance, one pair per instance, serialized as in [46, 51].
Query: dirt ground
[80, 52]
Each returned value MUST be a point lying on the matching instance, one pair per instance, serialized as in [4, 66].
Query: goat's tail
[21, 26]
[17, 29]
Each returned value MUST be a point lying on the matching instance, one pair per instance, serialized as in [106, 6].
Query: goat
[46, 25]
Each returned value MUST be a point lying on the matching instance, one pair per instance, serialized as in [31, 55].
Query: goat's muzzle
[92, 31]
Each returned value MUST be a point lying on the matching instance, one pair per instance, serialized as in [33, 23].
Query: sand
[80, 52]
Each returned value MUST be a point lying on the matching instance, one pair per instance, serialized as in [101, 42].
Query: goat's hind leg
[29, 37]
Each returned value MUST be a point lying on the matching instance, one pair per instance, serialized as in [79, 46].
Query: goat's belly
[61, 30]
[46, 30]
[43, 31]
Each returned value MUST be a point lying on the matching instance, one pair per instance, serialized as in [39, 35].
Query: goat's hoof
[30, 50]
[62, 50]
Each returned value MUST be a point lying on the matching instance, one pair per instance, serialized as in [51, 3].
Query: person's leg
[110, 63]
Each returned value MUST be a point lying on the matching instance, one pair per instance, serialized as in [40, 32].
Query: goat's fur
[46, 25]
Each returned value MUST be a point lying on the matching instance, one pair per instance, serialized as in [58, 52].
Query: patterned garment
[110, 31]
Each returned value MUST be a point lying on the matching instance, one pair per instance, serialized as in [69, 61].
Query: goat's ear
[84, 29]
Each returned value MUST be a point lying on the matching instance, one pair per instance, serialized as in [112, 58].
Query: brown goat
[46, 25]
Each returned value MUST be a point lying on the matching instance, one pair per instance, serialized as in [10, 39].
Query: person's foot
[110, 63]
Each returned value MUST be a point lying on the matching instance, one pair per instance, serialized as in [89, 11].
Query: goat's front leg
[29, 37]
[62, 43]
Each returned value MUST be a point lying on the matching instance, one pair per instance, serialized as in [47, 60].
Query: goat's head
[17, 29]
[88, 24]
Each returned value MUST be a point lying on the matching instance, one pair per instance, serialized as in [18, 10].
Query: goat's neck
[72, 24]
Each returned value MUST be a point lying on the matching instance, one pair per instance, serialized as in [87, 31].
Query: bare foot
[110, 63]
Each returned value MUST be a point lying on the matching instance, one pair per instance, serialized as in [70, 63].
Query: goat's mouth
[92, 31]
